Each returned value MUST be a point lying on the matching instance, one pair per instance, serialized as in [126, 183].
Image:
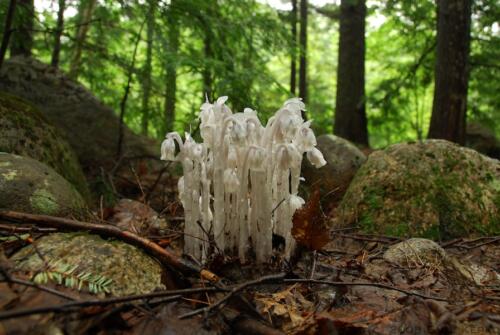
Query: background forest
[155, 60]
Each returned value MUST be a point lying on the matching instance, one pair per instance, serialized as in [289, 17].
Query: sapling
[240, 185]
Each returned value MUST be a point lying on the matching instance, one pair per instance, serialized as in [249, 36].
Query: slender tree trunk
[86, 11]
[207, 72]
[449, 107]
[303, 51]
[7, 30]
[123, 102]
[171, 71]
[22, 37]
[293, 65]
[146, 84]
[57, 35]
[350, 115]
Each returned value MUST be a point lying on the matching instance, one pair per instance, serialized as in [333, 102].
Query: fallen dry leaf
[309, 228]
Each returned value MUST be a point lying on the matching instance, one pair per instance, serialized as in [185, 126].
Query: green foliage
[248, 59]
[66, 275]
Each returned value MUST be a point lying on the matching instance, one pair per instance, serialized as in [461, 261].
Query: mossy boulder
[433, 189]
[343, 160]
[27, 185]
[25, 132]
[90, 126]
[125, 268]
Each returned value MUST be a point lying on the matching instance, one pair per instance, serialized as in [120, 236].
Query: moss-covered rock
[128, 269]
[30, 186]
[91, 127]
[25, 132]
[432, 189]
[343, 160]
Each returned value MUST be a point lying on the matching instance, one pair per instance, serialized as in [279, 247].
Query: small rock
[416, 252]
[343, 160]
[136, 217]
[481, 138]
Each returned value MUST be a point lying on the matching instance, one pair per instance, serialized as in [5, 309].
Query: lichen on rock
[27, 185]
[432, 189]
[129, 268]
[25, 132]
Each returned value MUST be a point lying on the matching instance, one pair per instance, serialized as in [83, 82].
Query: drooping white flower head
[305, 138]
[168, 149]
[295, 105]
[316, 158]
[256, 158]
[232, 157]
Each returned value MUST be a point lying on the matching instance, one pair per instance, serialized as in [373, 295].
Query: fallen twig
[13, 280]
[262, 280]
[383, 286]
[164, 256]
[381, 239]
[76, 305]
[13, 229]
[280, 278]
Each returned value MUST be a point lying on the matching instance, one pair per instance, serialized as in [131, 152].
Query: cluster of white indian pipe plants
[240, 185]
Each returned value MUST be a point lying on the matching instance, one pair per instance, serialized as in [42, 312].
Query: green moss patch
[434, 189]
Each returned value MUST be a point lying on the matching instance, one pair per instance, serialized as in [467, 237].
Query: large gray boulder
[29, 186]
[433, 189]
[343, 160]
[90, 127]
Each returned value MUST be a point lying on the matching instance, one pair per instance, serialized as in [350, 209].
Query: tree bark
[207, 71]
[350, 115]
[303, 51]
[293, 65]
[449, 107]
[21, 41]
[57, 34]
[86, 11]
[146, 84]
[171, 70]
[7, 30]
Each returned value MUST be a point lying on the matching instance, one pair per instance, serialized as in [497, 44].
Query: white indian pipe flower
[168, 150]
[316, 158]
[238, 174]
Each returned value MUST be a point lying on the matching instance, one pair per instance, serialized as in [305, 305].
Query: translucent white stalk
[248, 170]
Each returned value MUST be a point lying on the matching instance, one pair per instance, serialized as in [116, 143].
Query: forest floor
[338, 283]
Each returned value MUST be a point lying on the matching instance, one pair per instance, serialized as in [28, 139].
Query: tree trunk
[350, 115]
[207, 72]
[293, 65]
[57, 34]
[171, 71]
[146, 84]
[7, 30]
[86, 11]
[303, 51]
[449, 107]
[22, 37]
